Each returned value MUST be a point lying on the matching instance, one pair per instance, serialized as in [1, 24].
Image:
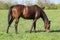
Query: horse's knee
[16, 19]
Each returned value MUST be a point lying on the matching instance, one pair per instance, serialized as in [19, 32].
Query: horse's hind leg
[9, 23]
[16, 24]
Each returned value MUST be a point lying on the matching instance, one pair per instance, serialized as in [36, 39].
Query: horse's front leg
[33, 25]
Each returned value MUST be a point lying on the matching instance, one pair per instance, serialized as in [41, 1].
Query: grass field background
[25, 25]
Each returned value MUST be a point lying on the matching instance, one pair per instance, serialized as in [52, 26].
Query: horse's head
[47, 26]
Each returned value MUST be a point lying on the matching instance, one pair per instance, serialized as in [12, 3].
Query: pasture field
[25, 25]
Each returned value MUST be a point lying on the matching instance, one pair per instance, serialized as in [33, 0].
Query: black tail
[10, 14]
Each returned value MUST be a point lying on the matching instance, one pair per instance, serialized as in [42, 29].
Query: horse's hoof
[17, 33]
[35, 31]
[30, 31]
[47, 30]
[6, 32]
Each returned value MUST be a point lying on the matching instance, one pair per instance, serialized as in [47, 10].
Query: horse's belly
[27, 17]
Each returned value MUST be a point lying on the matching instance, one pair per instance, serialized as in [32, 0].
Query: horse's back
[31, 12]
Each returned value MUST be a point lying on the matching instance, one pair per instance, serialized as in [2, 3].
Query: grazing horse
[33, 12]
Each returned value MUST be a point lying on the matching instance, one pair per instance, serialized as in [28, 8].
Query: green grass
[25, 25]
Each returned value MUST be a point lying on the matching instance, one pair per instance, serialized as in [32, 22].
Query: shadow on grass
[55, 31]
[37, 31]
[45, 31]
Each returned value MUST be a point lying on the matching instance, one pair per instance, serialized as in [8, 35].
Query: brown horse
[33, 12]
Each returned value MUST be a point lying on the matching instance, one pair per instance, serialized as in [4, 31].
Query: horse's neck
[44, 17]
